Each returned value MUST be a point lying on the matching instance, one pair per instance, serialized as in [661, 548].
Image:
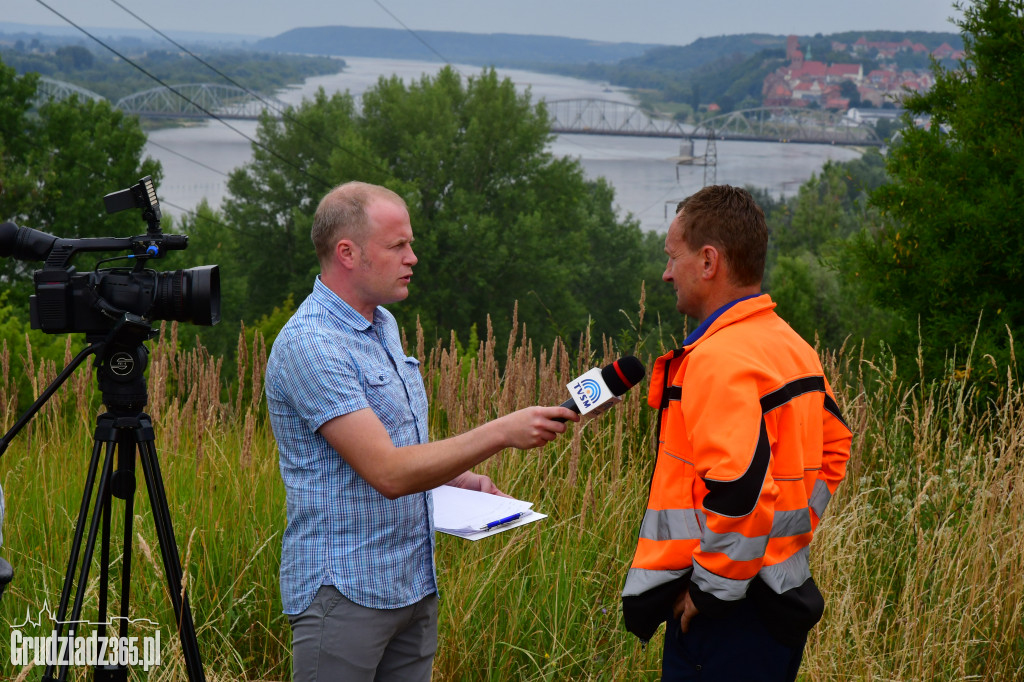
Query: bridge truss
[810, 126]
[226, 101]
[53, 89]
[580, 116]
[607, 117]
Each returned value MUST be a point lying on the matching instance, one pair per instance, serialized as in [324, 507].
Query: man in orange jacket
[751, 447]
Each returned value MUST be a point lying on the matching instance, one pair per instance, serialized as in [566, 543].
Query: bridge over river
[569, 116]
[763, 124]
[187, 101]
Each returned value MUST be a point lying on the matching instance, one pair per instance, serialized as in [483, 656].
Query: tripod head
[120, 372]
[121, 360]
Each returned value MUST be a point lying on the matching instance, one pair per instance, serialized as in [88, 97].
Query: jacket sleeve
[836, 441]
[732, 457]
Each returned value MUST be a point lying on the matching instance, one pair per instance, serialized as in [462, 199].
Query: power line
[418, 37]
[149, 140]
[441, 56]
[284, 113]
[195, 104]
[199, 59]
[196, 215]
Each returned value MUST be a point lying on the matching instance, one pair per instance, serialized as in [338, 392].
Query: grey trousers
[337, 640]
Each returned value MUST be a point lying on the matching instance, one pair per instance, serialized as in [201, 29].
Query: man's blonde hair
[342, 215]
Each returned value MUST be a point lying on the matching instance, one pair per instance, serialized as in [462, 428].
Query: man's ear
[712, 261]
[345, 253]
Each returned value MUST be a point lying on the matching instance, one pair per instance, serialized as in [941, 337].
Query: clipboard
[466, 513]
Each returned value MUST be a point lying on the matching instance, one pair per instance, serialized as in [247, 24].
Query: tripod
[121, 360]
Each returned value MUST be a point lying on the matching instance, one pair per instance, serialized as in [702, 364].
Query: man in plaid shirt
[349, 412]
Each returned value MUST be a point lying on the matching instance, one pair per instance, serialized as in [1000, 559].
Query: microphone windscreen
[623, 374]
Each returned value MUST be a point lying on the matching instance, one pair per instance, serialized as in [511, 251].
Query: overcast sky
[670, 22]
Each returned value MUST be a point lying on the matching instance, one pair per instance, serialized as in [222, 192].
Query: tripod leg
[169, 552]
[104, 566]
[123, 487]
[76, 543]
[103, 429]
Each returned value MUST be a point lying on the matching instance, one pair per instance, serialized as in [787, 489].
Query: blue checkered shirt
[326, 362]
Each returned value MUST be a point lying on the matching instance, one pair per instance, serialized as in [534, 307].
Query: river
[647, 181]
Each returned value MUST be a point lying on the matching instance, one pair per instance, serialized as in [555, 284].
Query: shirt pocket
[415, 385]
[386, 395]
[411, 371]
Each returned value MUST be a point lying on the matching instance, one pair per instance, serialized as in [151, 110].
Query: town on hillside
[837, 86]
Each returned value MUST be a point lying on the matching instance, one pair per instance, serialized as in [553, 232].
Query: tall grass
[920, 555]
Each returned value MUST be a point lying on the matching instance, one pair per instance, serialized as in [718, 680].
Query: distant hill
[676, 59]
[703, 51]
[11, 32]
[498, 49]
[730, 70]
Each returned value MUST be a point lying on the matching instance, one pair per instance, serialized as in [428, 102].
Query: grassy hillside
[920, 555]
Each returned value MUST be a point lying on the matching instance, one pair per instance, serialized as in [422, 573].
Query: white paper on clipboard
[464, 513]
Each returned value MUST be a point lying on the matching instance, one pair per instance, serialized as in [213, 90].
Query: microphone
[597, 390]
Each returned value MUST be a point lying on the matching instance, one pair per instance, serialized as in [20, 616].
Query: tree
[828, 207]
[498, 221]
[885, 127]
[74, 58]
[271, 200]
[848, 89]
[804, 271]
[948, 248]
[57, 166]
[213, 242]
[15, 102]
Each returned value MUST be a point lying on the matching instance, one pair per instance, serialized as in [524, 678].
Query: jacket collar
[730, 313]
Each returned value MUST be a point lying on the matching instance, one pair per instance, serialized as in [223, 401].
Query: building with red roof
[802, 83]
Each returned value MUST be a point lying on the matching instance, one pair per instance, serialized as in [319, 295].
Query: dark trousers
[737, 647]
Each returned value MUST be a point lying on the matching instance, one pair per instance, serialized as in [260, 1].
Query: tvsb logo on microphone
[589, 391]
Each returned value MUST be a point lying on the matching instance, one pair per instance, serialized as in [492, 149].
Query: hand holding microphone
[594, 391]
[598, 389]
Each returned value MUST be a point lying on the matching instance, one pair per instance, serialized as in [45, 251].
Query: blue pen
[502, 522]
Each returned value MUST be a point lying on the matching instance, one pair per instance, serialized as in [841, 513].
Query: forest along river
[642, 170]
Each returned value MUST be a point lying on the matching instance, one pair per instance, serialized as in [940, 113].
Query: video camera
[95, 302]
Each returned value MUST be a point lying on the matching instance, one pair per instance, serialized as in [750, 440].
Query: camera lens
[191, 295]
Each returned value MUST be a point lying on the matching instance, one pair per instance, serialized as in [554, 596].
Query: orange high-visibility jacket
[751, 448]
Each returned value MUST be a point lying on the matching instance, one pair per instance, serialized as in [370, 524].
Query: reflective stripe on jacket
[751, 448]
